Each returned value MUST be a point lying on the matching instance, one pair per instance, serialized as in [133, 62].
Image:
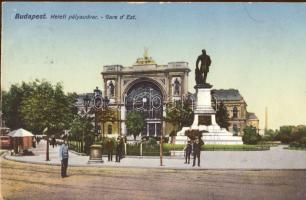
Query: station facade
[147, 87]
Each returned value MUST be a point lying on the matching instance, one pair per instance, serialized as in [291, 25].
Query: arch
[146, 96]
[144, 79]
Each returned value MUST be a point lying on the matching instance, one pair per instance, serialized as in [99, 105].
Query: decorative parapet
[110, 68]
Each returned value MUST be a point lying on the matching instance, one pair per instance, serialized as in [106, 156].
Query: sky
[257, 48]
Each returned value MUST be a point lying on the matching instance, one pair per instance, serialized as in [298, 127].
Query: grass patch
[296, 148]
[153, 150]
[241, 147]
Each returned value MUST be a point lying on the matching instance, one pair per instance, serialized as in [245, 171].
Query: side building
[236, 108]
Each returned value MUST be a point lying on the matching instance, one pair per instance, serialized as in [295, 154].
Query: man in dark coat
[188, 150]
[109, 148]
[196, 147]
[202, 70]
[118, 150]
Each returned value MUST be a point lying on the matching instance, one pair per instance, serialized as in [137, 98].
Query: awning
[20, 133]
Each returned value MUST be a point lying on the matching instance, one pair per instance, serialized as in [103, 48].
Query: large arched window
[146, 97]
[235, 112]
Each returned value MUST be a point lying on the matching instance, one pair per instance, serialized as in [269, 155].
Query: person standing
[196, 147]
[188, 149]
[64, 155]
[118, 150]
[109, 149]
[53, 141]
[121, 143]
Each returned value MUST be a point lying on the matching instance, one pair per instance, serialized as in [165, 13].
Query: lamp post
[97, 102]
[86, 101]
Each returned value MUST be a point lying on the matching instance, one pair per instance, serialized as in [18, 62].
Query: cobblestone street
[36, 182]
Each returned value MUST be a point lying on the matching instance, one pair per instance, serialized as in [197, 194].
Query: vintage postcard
[107, 100]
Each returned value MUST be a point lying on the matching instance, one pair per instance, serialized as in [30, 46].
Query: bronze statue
[201, 73]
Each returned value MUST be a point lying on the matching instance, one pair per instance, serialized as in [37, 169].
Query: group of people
[118, 145]
[193, 147]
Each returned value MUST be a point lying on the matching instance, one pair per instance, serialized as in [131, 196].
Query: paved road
[21, 181]
[276, 158]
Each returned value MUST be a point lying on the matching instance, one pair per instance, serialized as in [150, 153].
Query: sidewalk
[276, 158]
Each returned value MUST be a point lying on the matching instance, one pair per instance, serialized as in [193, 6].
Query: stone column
[163, 133]
[195, 122]
[123, 115]
[155, 130]
[213, 120]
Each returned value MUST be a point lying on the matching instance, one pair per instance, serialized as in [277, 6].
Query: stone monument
[204, 114]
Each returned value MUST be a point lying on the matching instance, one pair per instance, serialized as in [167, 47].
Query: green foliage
[152, 142]
[250, 135]
[11, 104]
[179, 115]
[270, 135]
[194, 133]
[222, 116]
[293, 135]
[37, 105]
[284, 134]
[47, 106]
[82, 127]
[134, 123]
[239, 147]
[303, 141]
[149, 150]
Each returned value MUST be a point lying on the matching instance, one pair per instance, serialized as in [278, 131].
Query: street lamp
[86, 102]
[100, 103]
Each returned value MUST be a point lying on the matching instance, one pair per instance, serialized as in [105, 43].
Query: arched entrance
[146, 97]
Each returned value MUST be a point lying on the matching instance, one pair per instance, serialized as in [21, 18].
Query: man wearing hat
[64, 155]
[196, 147]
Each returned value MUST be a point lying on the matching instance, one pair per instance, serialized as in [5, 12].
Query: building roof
[251, 116]
[227, 95]
[80, 99]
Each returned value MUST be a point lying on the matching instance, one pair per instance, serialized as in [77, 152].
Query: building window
[109, 129]
[235, 112]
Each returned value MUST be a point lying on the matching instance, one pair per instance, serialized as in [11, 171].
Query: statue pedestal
[205, 120]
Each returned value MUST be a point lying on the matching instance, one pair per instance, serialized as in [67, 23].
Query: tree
[134, 123]
[46, 107]
[270, 135]
[11, 104]
[250, 135]
[298, 133]
[222, 116]
[284, 134]
[179, 115]
[81, 130]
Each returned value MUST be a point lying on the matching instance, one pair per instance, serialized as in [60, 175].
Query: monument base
[205, 120]
[214, 135]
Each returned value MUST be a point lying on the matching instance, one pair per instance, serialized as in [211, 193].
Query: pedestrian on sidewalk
[196, 148]
[109, 148]
[188, 149]
[53, 141]
[64, 155]
[118, 149]
[121, 143]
